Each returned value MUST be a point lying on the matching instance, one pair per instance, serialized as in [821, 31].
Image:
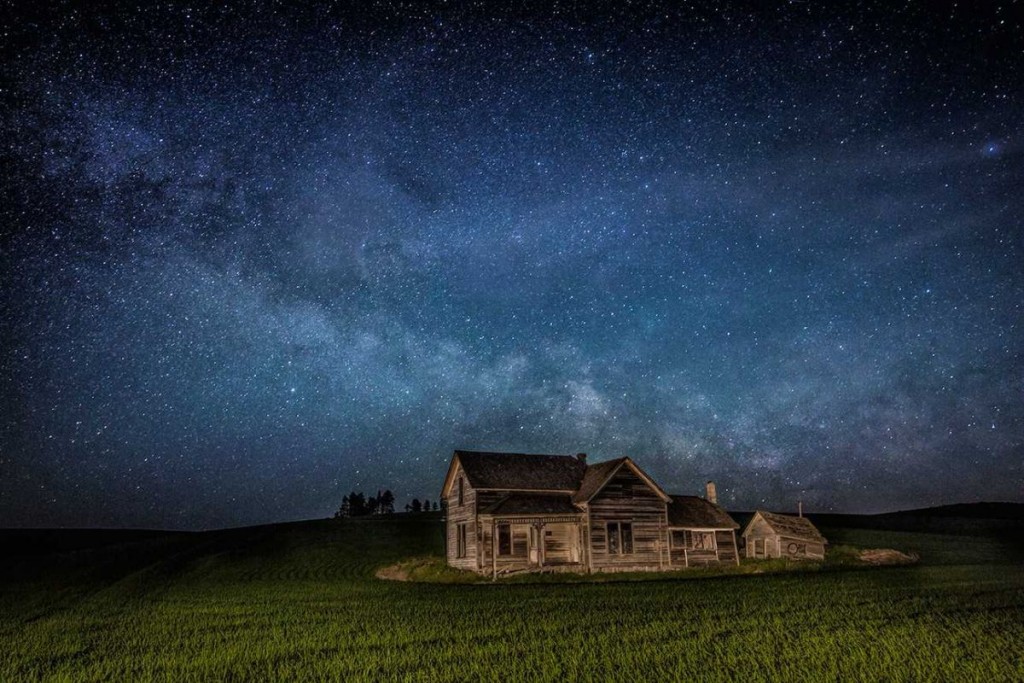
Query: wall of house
[462, 514]
[727, 552]
[626, 498]
[800, 548]
[760, 532]
[520, 551]
[724, 554]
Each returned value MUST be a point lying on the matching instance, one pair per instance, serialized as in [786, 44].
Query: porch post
[735, 548]
[494, 553]
[540, 550]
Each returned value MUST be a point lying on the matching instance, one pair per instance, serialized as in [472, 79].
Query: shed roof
[522, 471]
[532, 504]
[694, 512]
[790, 526]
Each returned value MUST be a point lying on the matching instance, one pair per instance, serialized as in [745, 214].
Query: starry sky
[258, 255]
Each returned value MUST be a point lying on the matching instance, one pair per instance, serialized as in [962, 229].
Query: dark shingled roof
[532, 504]
[594, 478]
[522, 471]
[788, 525]
[693, 512]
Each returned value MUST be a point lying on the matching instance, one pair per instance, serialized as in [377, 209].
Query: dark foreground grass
[299, 602]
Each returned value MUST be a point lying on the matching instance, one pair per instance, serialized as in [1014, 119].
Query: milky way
[255, 257]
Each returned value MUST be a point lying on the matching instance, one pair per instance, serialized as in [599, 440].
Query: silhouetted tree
[417, 506]
[426, 506]
[357, 504]
[387, 502]
[345, 510]
[435, 506]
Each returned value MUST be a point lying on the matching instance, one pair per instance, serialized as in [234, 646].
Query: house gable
[598, 476]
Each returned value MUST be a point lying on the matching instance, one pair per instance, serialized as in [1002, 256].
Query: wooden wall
[799, 549]
[725, 554]
[462, 514]
[762, 533]
[520, 558]
[626, 498]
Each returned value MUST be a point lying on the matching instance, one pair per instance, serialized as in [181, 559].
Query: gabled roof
[595, 477]
[598, 475]
[534, 472]
[518, 471]
[694, 512]
[788, 525]
[532, 504]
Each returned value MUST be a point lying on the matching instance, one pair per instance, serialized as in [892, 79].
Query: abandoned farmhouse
[511, 512]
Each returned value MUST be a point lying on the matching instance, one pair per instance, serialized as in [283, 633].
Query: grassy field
[299, 601]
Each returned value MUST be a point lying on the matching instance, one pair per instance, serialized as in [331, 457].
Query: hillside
[965, 510]
[298, 601]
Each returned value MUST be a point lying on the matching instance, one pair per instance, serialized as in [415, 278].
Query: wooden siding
[800, 549]
[626, 498]
[725, 551]
[519, 559]
[462, 514]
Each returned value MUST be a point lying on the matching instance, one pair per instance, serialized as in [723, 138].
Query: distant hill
[985, 519]
[965, 510]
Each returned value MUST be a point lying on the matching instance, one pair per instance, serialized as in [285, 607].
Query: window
[460, 540]
[504, 539]
[460, 490]
[694, 540]
[620, 538]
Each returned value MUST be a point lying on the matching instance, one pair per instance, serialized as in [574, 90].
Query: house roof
[788, 525]
[598, 475]
[534, 472]
[694, 512]
[595, 477]
[522, 471]
[532, 504]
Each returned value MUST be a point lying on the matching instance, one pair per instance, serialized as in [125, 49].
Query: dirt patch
[394, 572]
[886, 556]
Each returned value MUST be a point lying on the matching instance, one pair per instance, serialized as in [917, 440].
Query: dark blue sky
[255, 257]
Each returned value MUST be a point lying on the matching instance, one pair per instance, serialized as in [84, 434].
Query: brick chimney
[582, 457]
[712, 494]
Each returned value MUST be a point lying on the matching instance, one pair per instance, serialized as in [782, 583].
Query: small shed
[772, 535]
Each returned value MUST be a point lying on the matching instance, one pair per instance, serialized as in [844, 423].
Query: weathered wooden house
[768, 534]
[519, 512]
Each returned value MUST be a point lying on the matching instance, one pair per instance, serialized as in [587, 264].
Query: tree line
[357, 504]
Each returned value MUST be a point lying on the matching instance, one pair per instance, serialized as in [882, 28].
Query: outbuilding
[773, 535]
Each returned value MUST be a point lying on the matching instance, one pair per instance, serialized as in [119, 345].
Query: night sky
[255, 257]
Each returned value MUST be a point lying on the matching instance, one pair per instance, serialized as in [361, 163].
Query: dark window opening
[504, 539]
[620, 538]
[460, 540]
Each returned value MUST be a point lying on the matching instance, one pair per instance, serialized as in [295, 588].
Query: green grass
[300, 602]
